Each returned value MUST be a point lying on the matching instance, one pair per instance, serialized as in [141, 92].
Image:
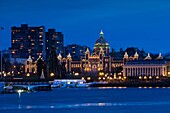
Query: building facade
[99, 61]
[76, 51]
[26, 41]
[55, 39]
[146, 68]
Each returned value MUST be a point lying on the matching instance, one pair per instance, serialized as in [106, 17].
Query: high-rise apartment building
[55, 39]
[27, 41]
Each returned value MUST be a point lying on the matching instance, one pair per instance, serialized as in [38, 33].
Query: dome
[101, 43]
[101, 39]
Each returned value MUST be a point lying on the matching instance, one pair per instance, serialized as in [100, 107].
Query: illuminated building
[146, 68]
[27, 41]
[30, 66]
[56, 39]
[76, 51]
[98, 63]
[101, 43]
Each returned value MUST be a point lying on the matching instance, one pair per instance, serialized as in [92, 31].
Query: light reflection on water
[116, 99]
[83, 105]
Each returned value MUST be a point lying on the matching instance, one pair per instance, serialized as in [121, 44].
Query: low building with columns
[147, 67]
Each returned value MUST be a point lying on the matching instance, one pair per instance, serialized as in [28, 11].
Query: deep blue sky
[125, 23]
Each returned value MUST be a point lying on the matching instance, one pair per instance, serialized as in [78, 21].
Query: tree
[40, 66]
[63, 72]
[53, 63]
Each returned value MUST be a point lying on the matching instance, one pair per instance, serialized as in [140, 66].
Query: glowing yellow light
[76, 74]
[145, 77]
[88, 78]
[8, 73]
[157, 77]
[140, 77]
[52, 74]
[28, 74]
[150, 77]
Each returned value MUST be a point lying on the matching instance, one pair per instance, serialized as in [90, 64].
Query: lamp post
[1, 28]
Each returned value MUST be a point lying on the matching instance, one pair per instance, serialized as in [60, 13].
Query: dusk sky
[125, 23]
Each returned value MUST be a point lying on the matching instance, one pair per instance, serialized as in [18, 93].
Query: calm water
[90, 100]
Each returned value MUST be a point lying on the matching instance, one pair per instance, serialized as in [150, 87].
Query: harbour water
[89, 100]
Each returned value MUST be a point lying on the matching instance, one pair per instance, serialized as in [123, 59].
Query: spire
[42, 75]
[136, 54]
[59, 57]
[101, 33]
[148, 57]
[160, 56]
[125, 55]
[69, 56]
[29, 59]
[87, 51]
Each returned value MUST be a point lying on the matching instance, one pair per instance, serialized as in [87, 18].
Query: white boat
[82, 85]
[69, 83]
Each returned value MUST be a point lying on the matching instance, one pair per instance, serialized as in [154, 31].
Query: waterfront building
[145, 68]
[55, 39]
[97, 63]
[76, 51]
[26, 41]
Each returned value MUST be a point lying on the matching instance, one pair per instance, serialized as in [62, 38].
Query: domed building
[101, 43]
[98, 63]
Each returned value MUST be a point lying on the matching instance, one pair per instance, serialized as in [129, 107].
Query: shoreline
[132, 84]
